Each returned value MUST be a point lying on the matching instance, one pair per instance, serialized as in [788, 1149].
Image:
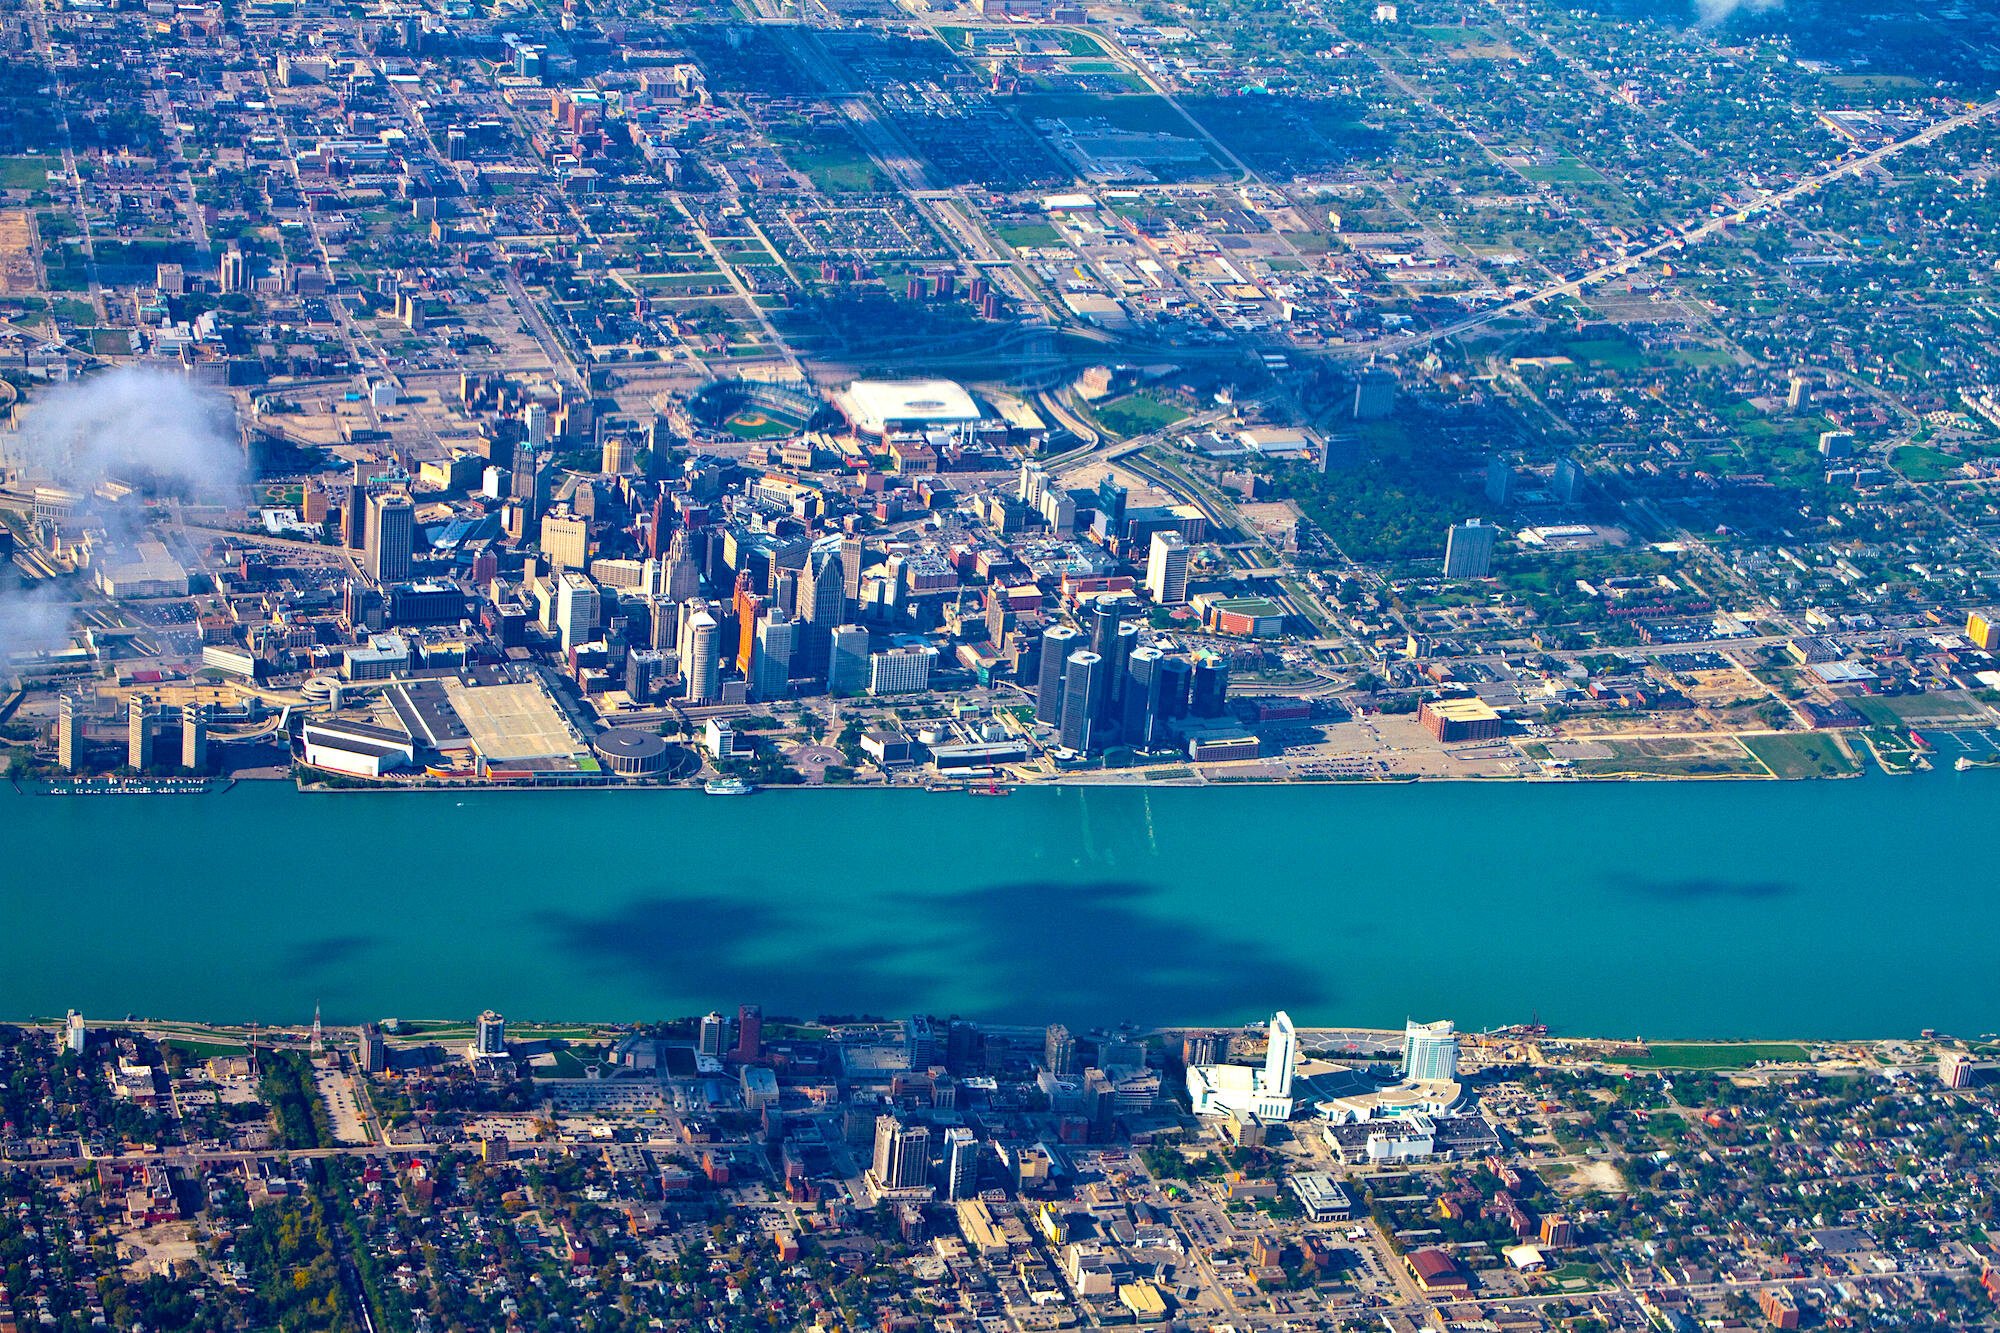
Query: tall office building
[1209, 687]
[1176, 675]
[1468, 549]
[233, 274]
[354, 516]
[749, 1032]
[616, 455]
[194, 738]
[853, 555]
[961, 1164]
[391, 538]
[683, 570]
[665, 618]
[490, 1037]
[1082, 699]
[527, 465]
[1111, 715]
[1059, 1051]
[848, 668]
[701, 655]
[771, 658]
[373, 1055]
[1280, 1055]
[1112, 636]
[1567, 482]
[1430, 1052]
[1499, 480]
[69, 733]
[1058, 642]
[902, 1154]
[577, 608]
[1167, 568]
[1107, 613]
[822, 606]
[714, 1032]
[1141, 722]
[139, 731]
[535, 425]
[565, 540]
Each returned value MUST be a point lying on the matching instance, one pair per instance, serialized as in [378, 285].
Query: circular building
[632, 753]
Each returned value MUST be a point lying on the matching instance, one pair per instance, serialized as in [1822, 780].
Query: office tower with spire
[822, 606]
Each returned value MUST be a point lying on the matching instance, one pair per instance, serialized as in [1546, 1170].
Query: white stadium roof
[876, 406]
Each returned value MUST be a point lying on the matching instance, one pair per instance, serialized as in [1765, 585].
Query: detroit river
[1857, 908]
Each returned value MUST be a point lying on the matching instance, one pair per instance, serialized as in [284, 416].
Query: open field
[1714, 1055]
[1902, 710]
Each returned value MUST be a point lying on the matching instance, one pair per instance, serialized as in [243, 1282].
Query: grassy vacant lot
[1611, 353]
[204, 1050]
[1135, 414]
[1800, 755]
[1671, 757]
[829, 156]
[23, 173]
[1715, 1055]
[1919, 463]
[1025, 234]
[1901, 710]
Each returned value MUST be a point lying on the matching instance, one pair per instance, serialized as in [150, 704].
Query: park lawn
[1702, 358]
[1022, 235]
[1715, 1055]
[1135, 414]
[23, 173]
[1920, 463]
[1796, 755]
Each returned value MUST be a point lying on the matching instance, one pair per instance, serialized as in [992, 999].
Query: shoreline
[222, 783]
[448, 1027]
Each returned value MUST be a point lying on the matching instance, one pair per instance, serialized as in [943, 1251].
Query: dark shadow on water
[311, 958]
[732, 950]
[1700, 888]
[1029, 951]
[1092, 952]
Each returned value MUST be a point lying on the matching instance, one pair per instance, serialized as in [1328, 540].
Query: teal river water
[1858, 908]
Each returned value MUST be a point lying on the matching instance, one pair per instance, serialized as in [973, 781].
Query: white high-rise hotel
[1430, 1052]
[1246, 1090]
